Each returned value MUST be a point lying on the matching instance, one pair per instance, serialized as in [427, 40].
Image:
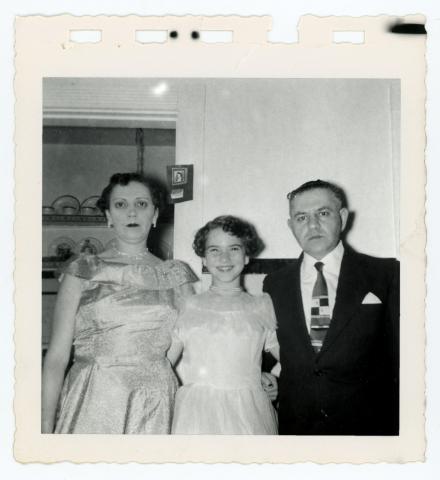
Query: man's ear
[289, 224]
[246, 260]
[344, 217]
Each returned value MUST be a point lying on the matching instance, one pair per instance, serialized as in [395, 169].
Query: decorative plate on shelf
[62, 248]
[47, 210]
[66, 205]
[90, 245]
[88, 206]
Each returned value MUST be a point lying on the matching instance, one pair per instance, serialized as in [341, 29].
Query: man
[338, 326]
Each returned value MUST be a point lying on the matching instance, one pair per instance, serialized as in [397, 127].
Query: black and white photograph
[299, 176]
[228, 257]
[179, 175]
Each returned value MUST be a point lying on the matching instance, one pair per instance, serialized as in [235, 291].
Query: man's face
[317, 220]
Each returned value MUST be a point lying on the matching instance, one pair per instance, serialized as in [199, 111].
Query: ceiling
[110, 102]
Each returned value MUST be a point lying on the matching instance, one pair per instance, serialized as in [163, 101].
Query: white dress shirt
[308, 274]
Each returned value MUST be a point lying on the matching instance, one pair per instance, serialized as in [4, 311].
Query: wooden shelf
[78, 220]
[93, 220]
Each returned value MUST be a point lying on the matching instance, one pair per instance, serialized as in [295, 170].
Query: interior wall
[261, 138]
[190, 149]
[82, 170]
[251, 141]
[81, 163]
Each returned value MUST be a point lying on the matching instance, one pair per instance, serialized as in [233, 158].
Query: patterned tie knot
[319, 266]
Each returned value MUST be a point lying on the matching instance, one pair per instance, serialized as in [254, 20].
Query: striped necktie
[320, 318]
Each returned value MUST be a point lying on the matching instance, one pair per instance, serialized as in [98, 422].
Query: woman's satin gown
[121, 381]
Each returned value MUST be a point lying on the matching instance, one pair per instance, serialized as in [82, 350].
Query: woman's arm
[182, 292]
[58, 353]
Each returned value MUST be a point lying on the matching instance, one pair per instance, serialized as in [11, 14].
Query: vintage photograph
[266, 302]
[267, 310]
[179, 175]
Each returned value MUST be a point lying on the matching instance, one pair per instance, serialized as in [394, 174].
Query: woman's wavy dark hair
[241, 229]
[123, 179]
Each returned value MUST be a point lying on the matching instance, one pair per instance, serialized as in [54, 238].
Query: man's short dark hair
[314, 184]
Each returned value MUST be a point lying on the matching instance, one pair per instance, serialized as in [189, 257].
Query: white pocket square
[370, 299]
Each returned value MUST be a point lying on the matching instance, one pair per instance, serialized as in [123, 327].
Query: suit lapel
[297, 297]
[349, 296]
[297, 308]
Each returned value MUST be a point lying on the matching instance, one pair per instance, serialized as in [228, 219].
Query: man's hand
[270, 385]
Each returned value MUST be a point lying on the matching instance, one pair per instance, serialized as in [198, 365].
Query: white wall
[259, 139]
[253, 140]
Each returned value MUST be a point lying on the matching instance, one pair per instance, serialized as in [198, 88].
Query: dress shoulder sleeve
[268, 312]
[83, 266]
[167, 275]
[271, 341]
[180, 273]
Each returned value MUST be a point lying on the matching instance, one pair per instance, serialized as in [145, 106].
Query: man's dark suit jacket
[352, 386]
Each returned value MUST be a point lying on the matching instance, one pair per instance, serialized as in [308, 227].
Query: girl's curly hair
[241, 229]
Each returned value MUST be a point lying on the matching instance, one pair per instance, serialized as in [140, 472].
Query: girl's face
[131, 212]
[225, 258]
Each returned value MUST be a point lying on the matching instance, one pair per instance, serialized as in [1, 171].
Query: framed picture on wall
[178, 175]
[180, 183]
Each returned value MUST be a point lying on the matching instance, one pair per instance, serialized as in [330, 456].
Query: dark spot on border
[408, 28]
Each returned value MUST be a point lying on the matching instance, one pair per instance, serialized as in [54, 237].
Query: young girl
[222, 333]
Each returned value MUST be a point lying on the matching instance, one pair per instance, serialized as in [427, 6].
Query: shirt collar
[332, 261]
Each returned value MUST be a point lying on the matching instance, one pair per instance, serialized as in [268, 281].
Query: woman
[118, 309]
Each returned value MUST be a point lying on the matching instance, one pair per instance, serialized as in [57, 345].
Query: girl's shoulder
[205, 301]
[266, 300]
[258, 301]
[235, 302]
[197, 300]
[263, 307]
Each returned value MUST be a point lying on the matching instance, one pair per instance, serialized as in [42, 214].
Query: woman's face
[132, 212]
[225, 258]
